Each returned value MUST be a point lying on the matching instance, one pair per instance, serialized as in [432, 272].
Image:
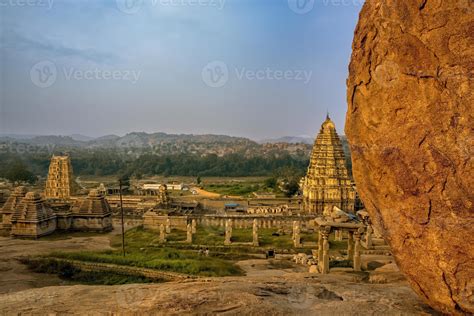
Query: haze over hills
[163, 143]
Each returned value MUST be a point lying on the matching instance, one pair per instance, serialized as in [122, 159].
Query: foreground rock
[290, 294]
[410, 125]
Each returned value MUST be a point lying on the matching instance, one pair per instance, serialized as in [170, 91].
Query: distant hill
[290, 140]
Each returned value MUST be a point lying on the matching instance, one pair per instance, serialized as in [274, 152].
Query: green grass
[237, 189]
[63, 235]
[67, 271]
[143, 250]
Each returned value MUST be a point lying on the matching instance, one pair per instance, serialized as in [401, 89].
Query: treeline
[110, 162]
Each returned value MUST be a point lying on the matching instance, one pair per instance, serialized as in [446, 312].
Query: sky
[251, 68]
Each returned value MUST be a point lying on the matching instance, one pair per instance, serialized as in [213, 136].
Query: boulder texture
[410, 126]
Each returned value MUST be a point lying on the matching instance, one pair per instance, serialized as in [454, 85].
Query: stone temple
[327, 182]
[9, 208]
[60, 183]
[92, 214]
[32, 218]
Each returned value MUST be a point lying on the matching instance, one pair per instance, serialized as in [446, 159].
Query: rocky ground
[270, 288]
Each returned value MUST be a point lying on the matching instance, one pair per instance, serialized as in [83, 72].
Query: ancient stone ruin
[32, 219]
[327, 182]
[410, 126]
[92, 213]
[9, 208]
[60, 182]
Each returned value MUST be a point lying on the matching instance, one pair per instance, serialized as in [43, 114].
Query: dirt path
[15, 276]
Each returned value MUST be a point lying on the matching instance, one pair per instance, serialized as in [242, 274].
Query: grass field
[144, 250]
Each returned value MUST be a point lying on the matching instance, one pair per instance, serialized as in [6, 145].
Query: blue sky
[253, 68]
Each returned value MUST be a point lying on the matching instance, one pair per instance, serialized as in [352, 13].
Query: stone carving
[327, 182]
[60, 182]
[32, 219]
[409, 123]
[92, 213]
[163, 196]
[9, 207]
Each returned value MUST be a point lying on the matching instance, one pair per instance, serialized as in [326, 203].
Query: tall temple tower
[327, 182]
[60, 183]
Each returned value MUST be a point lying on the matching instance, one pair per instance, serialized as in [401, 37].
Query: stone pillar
[325, 261]
[162, 234]
[350, 245]
[320, 247]
[296, 234]
[193, 226]
[368, 237]
[228, 232]
[168, 226]
[357, 261]
[255, 242]
[189, 234]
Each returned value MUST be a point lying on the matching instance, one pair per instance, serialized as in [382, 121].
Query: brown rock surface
[410, 125]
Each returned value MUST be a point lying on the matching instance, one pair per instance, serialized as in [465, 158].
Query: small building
[8, 209]
[92, 213]
[32, 219]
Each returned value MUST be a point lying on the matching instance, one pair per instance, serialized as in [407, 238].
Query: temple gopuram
[327, 182]
[60, 183]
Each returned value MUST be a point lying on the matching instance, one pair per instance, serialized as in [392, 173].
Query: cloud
[53, 49]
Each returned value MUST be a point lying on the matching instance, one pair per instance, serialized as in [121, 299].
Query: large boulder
[410, 126]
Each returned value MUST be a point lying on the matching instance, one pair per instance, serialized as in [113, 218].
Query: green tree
[271, 183]
[18, 173]
[291, 188]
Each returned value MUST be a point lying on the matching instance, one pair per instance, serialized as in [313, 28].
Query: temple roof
[32, 209]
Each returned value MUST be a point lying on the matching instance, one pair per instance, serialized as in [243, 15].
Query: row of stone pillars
[353, 247]
[229, 229]
[244, 223]
[191, 229]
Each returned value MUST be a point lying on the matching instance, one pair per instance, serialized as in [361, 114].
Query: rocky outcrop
[410, 125]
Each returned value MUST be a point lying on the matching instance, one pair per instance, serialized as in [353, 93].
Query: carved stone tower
[327, 182]
[60, 182]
